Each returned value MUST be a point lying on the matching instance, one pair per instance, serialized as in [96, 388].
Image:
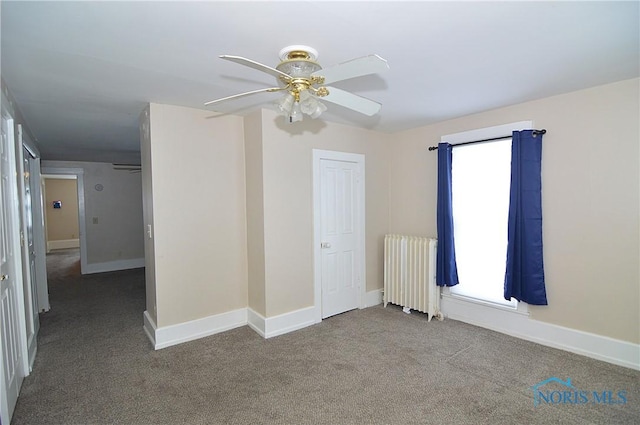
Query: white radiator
[410, 274]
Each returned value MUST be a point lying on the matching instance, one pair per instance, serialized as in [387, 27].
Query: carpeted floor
[372, 366]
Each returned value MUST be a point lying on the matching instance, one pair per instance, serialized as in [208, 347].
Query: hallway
[94, 326]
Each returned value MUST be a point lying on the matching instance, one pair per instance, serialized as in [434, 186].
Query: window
[481, 178]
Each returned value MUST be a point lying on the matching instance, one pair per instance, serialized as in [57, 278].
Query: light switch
[95, 220]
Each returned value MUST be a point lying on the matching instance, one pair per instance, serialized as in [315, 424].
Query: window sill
[522, 308]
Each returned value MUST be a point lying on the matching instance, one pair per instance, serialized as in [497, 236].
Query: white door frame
[319, 155]
[82, 225]
[38, 224]
[40, 238]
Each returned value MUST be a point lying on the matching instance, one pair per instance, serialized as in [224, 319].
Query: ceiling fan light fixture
[296, 113]
[294, 104]
[310, 105]
[285, 104]
[320, 108]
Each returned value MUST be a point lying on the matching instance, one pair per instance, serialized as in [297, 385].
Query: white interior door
[340, 260]
[11, 312]
[29, 256]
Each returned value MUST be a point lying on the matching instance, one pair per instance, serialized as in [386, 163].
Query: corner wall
[255, 212]
[199, 220]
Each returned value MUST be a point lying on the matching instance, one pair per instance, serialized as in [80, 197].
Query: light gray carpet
[373, 366]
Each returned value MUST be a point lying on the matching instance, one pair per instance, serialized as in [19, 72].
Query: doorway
[76, 174]
[61, 211]
[339, 224]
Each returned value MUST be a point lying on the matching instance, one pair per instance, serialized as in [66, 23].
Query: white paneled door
[340, 259]
[11, 338]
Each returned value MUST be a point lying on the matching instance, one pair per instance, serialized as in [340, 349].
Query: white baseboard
[149, 327]
[373, 298]
[194, 329]
[265, 327]
[200, 328]
[256, 321]
[599, 347]
[63, 244]
[33, 349]
[281, 324]
[111, 266]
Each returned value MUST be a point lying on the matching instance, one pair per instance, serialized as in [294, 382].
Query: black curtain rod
[435, 148]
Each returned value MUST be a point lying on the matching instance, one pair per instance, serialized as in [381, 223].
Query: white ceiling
[81, 72]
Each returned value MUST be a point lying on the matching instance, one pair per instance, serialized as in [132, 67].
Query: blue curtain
[446, 269]
[524, 277]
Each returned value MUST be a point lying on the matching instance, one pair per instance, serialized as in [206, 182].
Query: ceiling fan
[303, 81]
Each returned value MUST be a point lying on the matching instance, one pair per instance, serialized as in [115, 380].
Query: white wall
[591, 201]
[116, 241]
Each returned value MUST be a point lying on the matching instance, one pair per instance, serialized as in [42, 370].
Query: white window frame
[460, 306]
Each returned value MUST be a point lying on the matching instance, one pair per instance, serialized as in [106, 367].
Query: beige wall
[199, 220]
[245, 235]
[62, 223]
[288, 204]
[591, 205]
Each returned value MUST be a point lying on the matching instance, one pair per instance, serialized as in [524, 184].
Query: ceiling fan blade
[352, 101]
[270, 89]
[366, 65]
[256, 65]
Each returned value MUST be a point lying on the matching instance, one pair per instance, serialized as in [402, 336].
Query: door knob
[4, 277]
[325, 245]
